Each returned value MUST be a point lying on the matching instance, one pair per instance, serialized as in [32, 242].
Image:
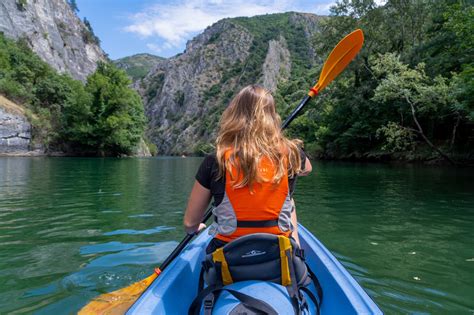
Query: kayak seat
[261, 256]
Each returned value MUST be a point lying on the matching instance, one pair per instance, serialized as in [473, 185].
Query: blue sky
[127, 27]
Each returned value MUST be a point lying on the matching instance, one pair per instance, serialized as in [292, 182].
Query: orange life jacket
[265, 209]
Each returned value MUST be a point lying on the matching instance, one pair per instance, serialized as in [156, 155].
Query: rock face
[142, 149]
[277, 64]
[185, 95]
[54, 32]
[174, 92]
[15, 130]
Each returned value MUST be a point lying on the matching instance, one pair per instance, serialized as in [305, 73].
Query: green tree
[73, 5]
[88, 34]
[403, 86]
[116, 112]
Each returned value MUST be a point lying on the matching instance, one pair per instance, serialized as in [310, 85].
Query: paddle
[337, 61]
[119, 301]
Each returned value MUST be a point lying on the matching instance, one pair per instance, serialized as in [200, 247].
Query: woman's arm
[307, 168]
[294, 223]
[198, 201]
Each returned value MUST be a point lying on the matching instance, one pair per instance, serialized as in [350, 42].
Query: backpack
[259, 256]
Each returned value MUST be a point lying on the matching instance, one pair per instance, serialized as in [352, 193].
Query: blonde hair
[251, 128]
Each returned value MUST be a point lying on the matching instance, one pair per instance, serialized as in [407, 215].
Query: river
[72, 228]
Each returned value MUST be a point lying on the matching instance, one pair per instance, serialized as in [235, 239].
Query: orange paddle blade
[117, 302]
[338, 59]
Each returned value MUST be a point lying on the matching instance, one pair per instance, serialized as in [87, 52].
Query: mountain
[54, 32]
[46, 54]
[137, 66]
[185, 95]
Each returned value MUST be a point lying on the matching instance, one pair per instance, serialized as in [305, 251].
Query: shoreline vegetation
[103, 117]
[371, 158]
[409, 97]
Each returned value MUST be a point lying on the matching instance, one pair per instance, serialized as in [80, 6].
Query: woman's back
[254, 162]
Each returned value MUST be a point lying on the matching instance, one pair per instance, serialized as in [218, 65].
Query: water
[73, 228]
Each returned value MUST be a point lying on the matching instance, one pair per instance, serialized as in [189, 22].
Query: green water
[73, 228]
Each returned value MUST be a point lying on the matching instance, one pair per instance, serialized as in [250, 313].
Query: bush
[203, 148]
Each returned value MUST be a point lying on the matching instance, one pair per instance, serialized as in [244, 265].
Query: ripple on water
[144, 215]
[142, 255]
[155, 230]
[109, 247]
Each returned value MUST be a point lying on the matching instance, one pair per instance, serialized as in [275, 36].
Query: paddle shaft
[183, 243]
[296, 111]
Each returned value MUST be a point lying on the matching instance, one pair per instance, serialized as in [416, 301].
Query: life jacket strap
[285, 244]
[219, 257]
[209, 295]
[253, 223]
[257, 224]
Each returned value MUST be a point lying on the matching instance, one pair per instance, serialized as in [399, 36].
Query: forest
[408, 96]
[102, 117]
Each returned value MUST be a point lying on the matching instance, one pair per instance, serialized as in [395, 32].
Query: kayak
[177, 286]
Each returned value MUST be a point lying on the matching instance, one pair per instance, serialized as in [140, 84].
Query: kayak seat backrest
[255, 257]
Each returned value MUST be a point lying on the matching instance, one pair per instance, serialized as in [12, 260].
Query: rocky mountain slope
[138, 66]
[54, 32]
[15, 130]
[185, 95]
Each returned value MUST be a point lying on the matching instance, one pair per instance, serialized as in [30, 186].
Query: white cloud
[154, 47]
[178, 21]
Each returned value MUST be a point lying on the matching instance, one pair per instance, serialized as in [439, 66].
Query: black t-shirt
[209, 170]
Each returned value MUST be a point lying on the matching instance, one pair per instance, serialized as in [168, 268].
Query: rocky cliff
[185, 95]
[54, 32]
[15, 130]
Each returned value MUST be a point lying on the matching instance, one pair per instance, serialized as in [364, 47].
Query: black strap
[254, 223]
[300, 253]
[208, 295]
[195, 307]
[253, 303]
[310, 294]
[257, 224]
[319, 289]
[201, 279]
[293, 288]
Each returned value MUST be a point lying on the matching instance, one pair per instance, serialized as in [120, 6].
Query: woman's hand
[307, 168]
[201, 227]
[197, 204]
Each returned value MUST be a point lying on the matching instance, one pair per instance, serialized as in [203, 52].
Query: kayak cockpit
[175, 289]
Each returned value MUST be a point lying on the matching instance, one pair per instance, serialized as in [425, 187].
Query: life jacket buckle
[300, 253]
[208, 304]
[206, 265]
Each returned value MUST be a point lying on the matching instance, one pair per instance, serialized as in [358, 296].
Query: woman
[252, 175]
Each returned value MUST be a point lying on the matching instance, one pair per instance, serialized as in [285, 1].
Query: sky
[159, 27]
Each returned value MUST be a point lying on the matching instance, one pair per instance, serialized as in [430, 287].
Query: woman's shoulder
[210, 158]
[209, 162]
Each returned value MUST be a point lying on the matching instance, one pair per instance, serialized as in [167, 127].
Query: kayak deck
[174, 290]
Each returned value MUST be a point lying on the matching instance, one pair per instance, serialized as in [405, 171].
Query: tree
[73, 5]
[88, 34]
[404, 86]
[105, 118]
[117, 110]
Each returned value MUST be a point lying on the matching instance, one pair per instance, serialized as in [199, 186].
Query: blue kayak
[177, 286]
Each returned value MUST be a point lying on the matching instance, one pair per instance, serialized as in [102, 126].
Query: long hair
[251, 128]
